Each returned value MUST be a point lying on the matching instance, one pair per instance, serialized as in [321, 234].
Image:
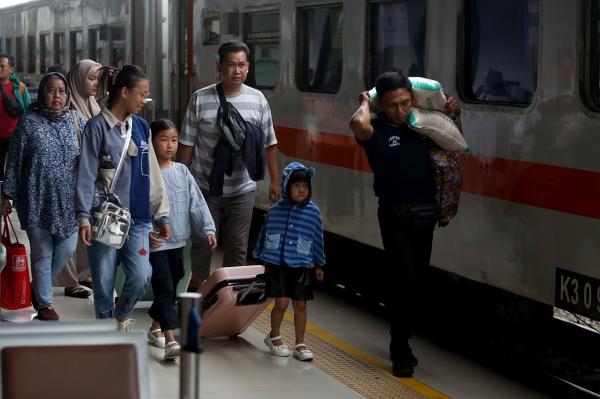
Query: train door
[150, 20]
[178, 68]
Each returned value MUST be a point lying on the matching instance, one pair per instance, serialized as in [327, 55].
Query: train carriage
[526, 72]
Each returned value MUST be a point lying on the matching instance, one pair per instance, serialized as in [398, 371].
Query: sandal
[157, 341]
[304, 354]
[76, 292]
[276, 350]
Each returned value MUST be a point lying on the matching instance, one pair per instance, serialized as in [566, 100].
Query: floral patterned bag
[447, 174]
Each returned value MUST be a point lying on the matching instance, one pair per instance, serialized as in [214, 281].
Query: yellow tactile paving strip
[366, 375]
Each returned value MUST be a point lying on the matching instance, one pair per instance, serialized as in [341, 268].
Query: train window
[118, 56]
[1, 45]
[59, 49]
[591, 67]
[501, 45]
[76, 46]
[320, 62]
[262, 37]
[117, 39]
[44, 52]
[117, 33]
[211, 30]
[9, 47]
[396, 38]
[96, 38]
[31, 54]
[20, 57]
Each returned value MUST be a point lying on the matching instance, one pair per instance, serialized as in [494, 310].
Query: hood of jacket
[285, 176]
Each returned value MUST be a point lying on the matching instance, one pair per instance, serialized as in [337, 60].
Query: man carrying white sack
[407, 213]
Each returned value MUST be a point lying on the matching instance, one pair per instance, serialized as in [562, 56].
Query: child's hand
[212, 241]
[165, 232]
[155, 240]
[319, 273]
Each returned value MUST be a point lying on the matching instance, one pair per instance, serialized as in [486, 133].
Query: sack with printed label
[15, 285]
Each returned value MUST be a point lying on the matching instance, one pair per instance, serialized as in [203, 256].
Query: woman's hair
[159, 125]
[112, 80]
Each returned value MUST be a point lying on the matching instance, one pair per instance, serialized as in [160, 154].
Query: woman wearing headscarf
[83, 84]
[41, 178]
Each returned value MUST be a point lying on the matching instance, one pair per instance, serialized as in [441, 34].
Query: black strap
[223, 100]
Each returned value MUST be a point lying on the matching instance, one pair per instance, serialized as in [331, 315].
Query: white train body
[531, 192]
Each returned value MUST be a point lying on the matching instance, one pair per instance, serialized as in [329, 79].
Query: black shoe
[77, 292]
[413, 359]
[88, 284]
[403, 367]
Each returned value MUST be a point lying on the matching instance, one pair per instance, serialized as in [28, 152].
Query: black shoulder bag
[230, 122]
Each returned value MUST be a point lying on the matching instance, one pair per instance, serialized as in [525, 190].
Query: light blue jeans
[133, 257]
[49, 254]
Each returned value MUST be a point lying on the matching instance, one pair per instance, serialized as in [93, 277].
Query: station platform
[351, 359]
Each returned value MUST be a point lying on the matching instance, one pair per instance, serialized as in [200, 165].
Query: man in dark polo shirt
[12, 90]
[407, 213]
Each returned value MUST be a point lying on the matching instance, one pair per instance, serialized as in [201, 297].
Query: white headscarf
[86, 106]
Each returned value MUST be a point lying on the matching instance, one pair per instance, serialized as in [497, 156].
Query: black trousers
[4, 143]
[167, 271]
[407, 244]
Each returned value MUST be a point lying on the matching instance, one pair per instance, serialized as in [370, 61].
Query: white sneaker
[125, 325]
[301, 352]
[172, 350]
[276, 350]
[159, 341]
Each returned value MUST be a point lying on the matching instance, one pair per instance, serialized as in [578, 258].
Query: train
[526, 73]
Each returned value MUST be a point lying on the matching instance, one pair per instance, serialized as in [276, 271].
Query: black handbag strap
[222, 99]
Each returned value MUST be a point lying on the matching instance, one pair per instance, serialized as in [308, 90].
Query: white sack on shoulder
[427, 93]
[439, 128]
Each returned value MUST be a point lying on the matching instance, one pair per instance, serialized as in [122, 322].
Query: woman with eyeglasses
[138, 188]
[40, 178]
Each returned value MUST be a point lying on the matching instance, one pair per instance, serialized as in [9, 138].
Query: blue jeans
[49, 254]
[103, 264]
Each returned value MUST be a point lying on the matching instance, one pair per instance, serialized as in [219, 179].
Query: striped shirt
[200, 130]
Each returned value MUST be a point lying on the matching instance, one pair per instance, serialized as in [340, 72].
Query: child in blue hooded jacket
[291, 245]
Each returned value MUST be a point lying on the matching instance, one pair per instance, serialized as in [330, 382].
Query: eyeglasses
[141, 93]
[54, 91]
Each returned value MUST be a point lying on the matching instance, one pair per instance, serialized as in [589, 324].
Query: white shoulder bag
[112, 221]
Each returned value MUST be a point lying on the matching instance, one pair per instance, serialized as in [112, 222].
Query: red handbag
[15, 285]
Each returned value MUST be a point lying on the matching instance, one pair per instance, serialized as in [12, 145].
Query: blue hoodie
[292, 233]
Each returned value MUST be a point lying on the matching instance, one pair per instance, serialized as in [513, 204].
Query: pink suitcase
[232, 298]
